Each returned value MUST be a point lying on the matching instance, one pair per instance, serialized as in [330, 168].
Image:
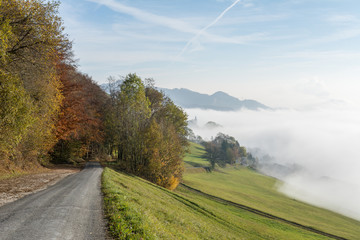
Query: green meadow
[195, 158]
[247, 187]
[138, 209]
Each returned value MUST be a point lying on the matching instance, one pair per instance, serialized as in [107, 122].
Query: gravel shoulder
[70, 209]
[13, 189]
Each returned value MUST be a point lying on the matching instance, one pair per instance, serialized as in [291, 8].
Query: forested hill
[220, 101]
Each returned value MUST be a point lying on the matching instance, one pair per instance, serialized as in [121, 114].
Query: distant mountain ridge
[219, 101]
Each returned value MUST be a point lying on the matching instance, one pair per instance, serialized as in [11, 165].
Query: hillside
[220, 101]
[138, 209]
[255, 190]
[194, 158]
[141, 209]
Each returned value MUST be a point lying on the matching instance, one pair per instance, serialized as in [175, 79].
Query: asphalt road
[70, 209]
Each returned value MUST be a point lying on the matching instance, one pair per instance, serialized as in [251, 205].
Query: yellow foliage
[173, 183]
[31, 41]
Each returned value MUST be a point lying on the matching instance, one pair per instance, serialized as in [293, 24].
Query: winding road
[70, 209]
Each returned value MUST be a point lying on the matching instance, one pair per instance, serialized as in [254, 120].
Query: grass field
[250, 188]
[137, 209]
[195, 158]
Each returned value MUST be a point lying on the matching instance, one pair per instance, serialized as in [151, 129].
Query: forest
[52, 113]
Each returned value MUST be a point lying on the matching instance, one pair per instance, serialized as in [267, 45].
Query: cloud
[322, 143]
[343, 19]
[323, 192]
[126, 58]
[313, 87]
[338, 36]
[266, 18]
[180, 25]
[349, 32]
[331, 55]
[245, 3]
[147, 16]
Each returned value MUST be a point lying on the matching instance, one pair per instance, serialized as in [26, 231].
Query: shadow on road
[93, 165]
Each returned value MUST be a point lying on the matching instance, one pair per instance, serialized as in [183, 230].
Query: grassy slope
[138, 209]
[258, 191]
[194, 158]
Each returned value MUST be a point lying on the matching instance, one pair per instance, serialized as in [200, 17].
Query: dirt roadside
[70, 209]
[14, 188]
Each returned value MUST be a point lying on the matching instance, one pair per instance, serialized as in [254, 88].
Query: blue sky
[284, 53]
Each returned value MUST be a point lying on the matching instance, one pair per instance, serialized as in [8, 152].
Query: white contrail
[208, 26]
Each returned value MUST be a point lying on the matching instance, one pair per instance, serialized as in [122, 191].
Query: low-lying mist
[317, 152]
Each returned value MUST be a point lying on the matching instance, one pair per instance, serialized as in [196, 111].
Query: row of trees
[49, 111]
[31, 45]
[79, 126]
[145, 131]
[46, 105]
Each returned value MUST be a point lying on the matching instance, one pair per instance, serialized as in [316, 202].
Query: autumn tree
[224, 149]
[147, 130]
[168, 125]
[15, 114]
[31, 41]
[126, 120]
[79, 128]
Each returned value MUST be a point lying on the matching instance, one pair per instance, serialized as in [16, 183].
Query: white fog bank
[324, 145]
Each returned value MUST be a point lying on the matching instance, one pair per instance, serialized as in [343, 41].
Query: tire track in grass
[263, 214]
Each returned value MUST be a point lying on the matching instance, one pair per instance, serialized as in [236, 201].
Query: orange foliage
[82, 106]
[80, 124]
